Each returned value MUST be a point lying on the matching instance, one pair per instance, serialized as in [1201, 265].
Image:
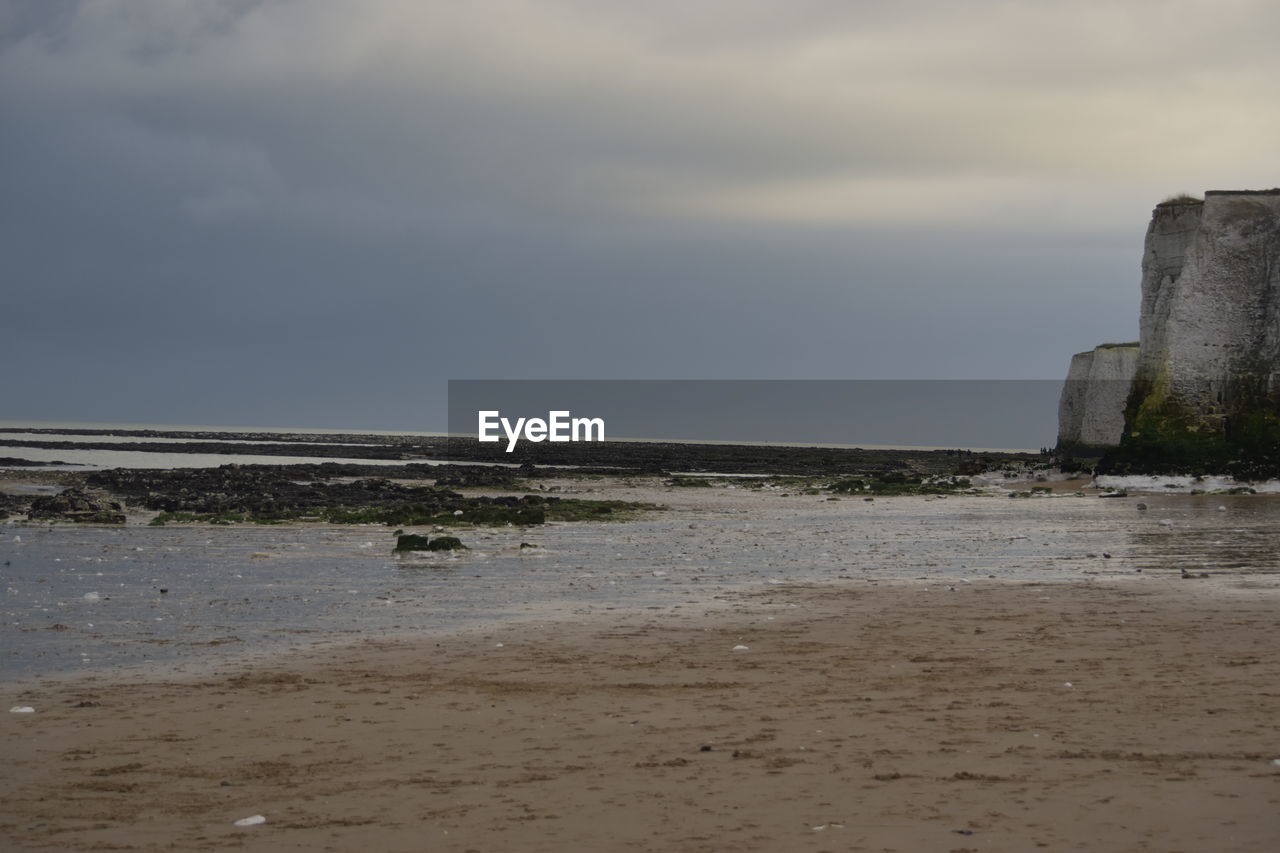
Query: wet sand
[1102, 714]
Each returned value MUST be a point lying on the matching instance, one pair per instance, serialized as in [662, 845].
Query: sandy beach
[1121, 714]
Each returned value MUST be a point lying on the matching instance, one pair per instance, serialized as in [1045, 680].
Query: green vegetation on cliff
[1165, 437]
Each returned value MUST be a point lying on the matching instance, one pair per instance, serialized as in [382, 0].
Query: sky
[316, 212]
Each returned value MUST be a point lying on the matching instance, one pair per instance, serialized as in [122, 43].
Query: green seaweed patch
[164, 518]
[1167, 440]
[528, 511]
[577, 509]
[689, 482]
[899, 484]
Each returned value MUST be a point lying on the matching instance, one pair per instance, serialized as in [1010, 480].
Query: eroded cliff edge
[1205, 396]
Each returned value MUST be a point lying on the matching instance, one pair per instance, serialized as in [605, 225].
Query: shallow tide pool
[93, 599]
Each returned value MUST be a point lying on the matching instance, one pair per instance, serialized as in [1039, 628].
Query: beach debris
[251, 820]
[524, 545]
[499, 645]
[741, 648]
[1221, 508]
[22, 709]
[91, 596]
[1166, 522]
[457, 512]
[1276, 762]
[1067, 684]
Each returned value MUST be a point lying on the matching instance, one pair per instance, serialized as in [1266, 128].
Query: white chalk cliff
[1208, 356]
[1091, 409]
[1210, 324]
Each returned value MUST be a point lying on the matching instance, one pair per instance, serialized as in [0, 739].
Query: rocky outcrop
[77, 505]
[1206, 387]
[1091, 409]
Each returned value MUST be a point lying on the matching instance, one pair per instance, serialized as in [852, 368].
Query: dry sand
[1105, 716]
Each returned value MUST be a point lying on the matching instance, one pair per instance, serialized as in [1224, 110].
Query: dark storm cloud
[316, 212]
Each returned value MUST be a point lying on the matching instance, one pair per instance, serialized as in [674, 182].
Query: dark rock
[414, 542]
[458, 476]
[77, 505]
[15, 462]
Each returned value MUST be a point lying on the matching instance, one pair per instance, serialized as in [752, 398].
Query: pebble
[22, 709]
[252, 820]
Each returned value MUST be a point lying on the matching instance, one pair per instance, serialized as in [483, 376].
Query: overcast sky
[315, 212]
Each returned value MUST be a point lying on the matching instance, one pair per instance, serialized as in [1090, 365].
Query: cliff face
[1210, 325]
[1091, 409]
[1206, 383]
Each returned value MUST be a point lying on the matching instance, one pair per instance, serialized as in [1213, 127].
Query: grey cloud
[274, 207]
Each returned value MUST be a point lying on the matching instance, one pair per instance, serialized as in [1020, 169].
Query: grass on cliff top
[1180, 198]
